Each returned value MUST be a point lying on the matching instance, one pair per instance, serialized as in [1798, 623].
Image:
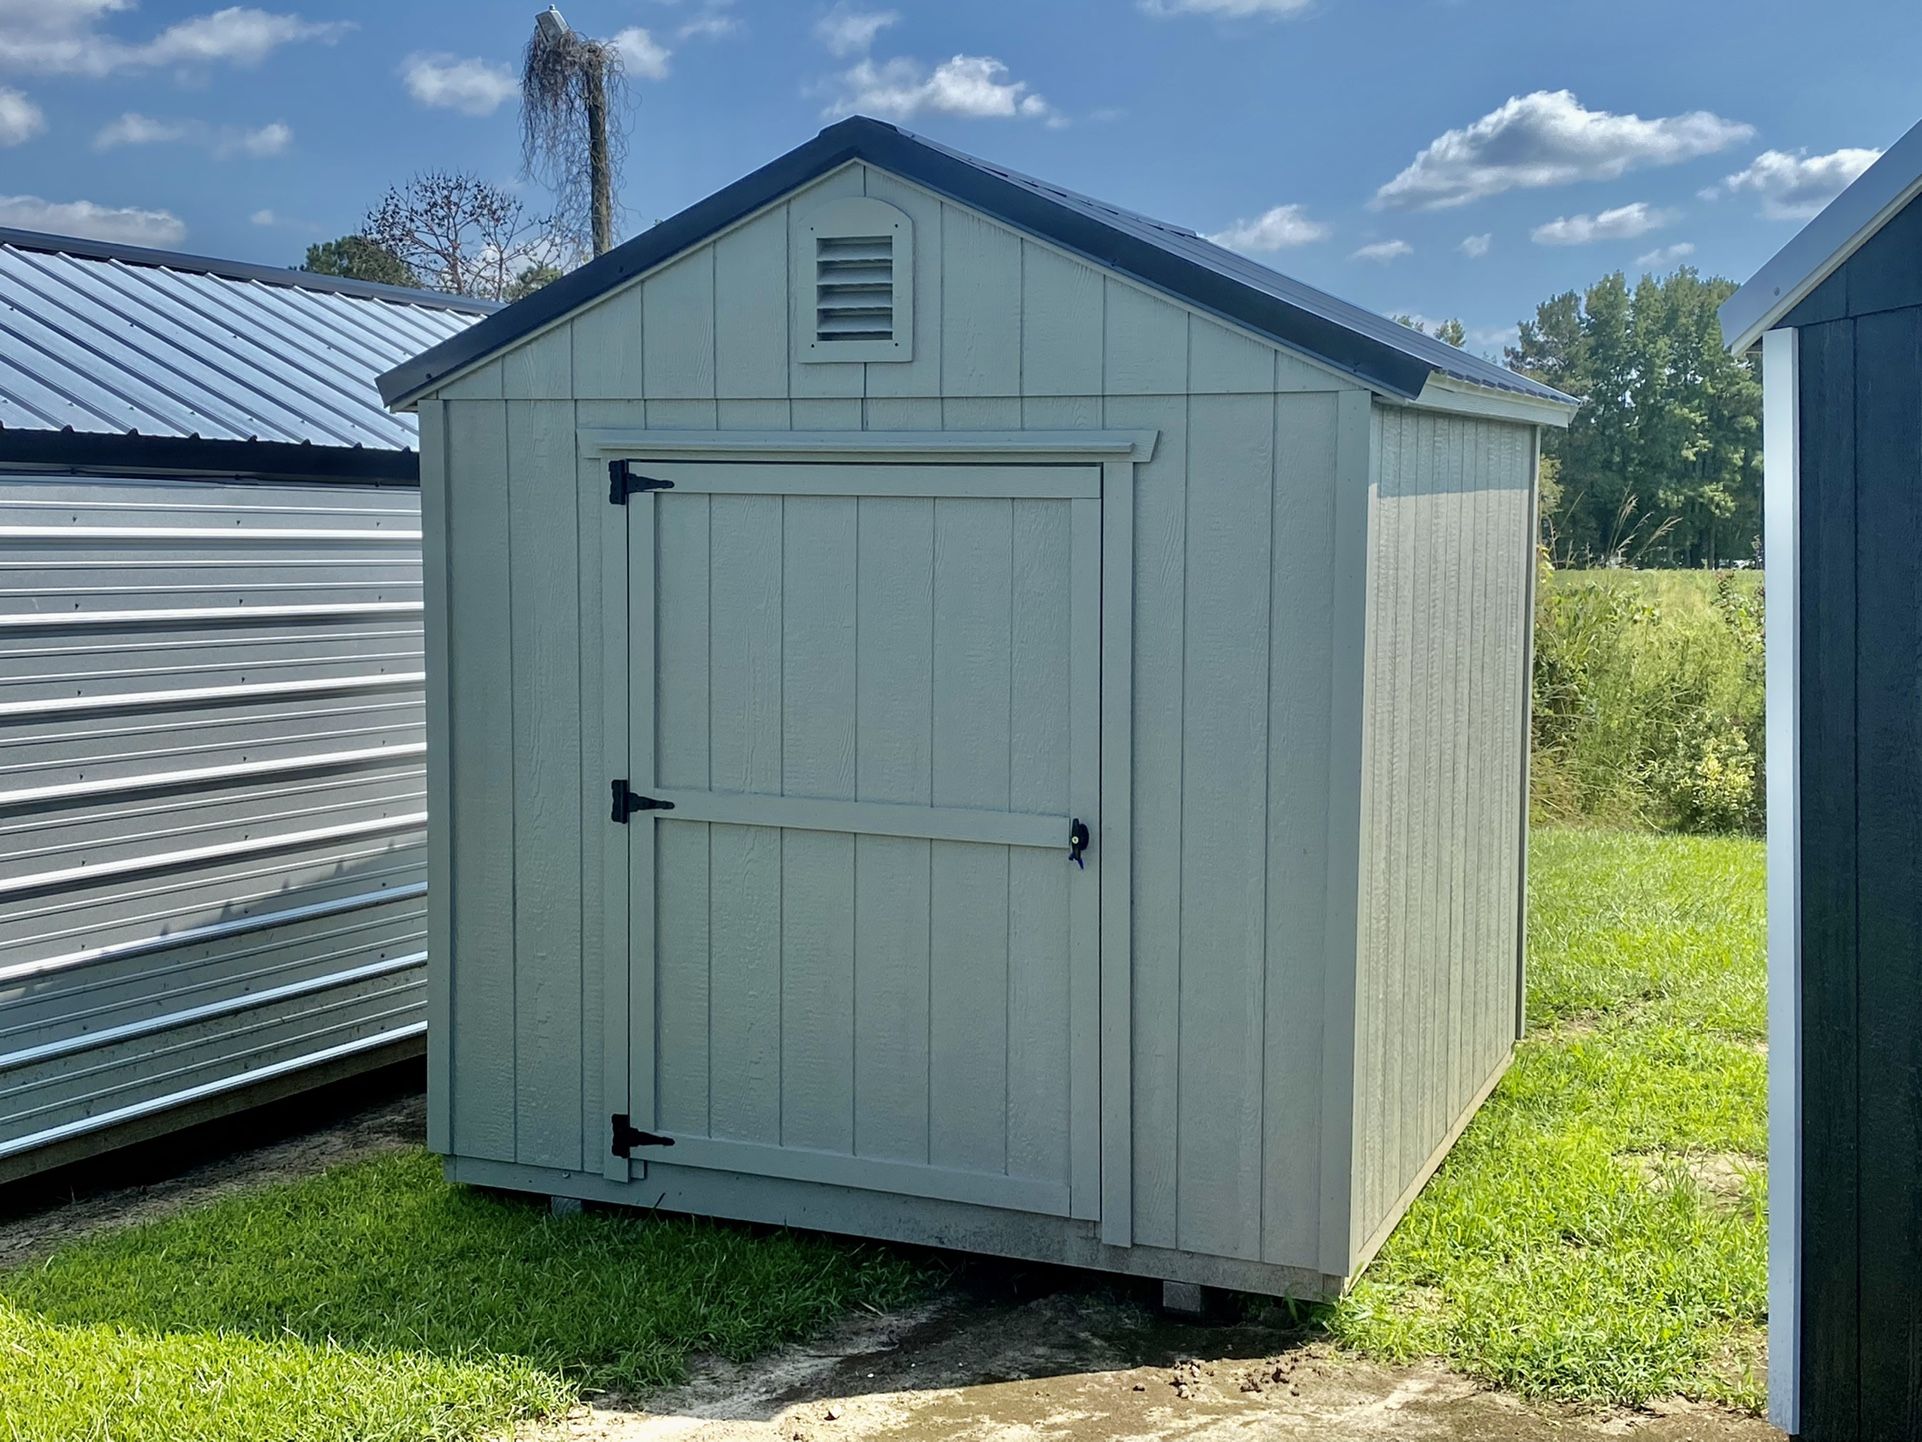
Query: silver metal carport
[212, 821]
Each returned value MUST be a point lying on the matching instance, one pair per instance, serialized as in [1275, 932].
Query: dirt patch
[1076, 1366]
[1725, 1176]
[41, 1214]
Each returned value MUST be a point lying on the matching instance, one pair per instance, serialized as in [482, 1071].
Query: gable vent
[853, 279]
[853, 288]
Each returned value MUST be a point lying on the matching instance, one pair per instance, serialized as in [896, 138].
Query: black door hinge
[628, 1136]
[627, 801]
[622, 482]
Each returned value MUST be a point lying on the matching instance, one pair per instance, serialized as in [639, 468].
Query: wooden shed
[962, 714]
[1838, 317]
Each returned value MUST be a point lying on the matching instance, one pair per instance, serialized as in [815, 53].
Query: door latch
[1078, 842]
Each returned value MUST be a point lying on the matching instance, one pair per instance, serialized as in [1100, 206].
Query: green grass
[1599, 1234]
[378, 1302]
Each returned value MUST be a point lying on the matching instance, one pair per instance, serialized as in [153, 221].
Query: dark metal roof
[1820, 248]
[119, 340]
[1168, 258]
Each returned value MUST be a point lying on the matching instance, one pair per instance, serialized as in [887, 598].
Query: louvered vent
[853, 288]
[853, 282]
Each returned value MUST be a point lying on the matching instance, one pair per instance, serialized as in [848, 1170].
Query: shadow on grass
[422, 1308]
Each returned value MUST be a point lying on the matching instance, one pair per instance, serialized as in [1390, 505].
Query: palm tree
[569, 83]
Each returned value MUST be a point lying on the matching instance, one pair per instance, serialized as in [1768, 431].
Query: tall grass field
[1648, 700]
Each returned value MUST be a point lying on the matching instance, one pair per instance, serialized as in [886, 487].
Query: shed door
[860, 950]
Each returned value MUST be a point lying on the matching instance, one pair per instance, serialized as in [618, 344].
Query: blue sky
[1437, 157]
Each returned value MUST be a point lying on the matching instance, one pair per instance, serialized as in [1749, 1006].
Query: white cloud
[976, 86]
[1227, 9]
[1384, 251]
[1625, 222]
[1665, 256]
[134, 128]
[846, 31]
[64, 37]
[1276, 229]
[711, 26]
[471, 85]
[20, 118]
[1548, 138]
[1796, 186]
[274, 220]
[125, 224]
[642, 54]
[1477, 246]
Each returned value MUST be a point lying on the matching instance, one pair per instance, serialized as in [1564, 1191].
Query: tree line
[1662, 465]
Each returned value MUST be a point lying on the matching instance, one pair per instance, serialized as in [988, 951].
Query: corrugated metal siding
[212, 814]
[105, 346]
[1442, 810]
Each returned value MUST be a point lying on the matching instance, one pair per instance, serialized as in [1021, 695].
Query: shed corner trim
[597, 442]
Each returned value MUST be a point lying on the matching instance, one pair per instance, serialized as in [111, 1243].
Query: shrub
[1648, 700]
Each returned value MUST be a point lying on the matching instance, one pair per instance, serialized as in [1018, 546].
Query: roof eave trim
[1372, 363]
[1825, 244]
[46, 243]
[1460, 397]
[90, 452]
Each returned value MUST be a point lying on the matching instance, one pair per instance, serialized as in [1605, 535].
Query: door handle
[1078, 842]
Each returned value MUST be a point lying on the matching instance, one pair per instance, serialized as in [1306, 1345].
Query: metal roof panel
[115, 340]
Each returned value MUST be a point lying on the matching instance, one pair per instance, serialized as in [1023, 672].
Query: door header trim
[597, 442]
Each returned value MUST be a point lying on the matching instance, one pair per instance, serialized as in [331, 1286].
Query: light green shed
[809, 575]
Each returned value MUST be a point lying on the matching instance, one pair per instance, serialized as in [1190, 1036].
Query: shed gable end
[973, 308]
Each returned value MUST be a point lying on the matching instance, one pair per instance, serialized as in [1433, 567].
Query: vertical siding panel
[682, 708]
[1301, 625]
[546, 781]
[678, 340]
[1224, 824]
[1226, 362]
[920, 376]
[893, 762]
[541, 369]
[608, 348]
[1474, 786]
[744, 1006]
[817, 378]
[1037, 993]
[817, 990]
[744, 730]
[973, 702]
[1460, 744]
[980, 310]
[751, 344]
[1060, 325]
[817, 893]
[1144, 344]
[682, 980]
[593, 521]
[481, 672]
[1159, 579]
[435, 563]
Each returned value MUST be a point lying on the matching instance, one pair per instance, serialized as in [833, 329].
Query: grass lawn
[1599, 1233]
[377, 1302]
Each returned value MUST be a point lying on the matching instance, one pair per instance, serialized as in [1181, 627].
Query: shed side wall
[1442, 832]
[212, 827]
[1235, 536]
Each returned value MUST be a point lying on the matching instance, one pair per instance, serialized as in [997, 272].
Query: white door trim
[1781, 498]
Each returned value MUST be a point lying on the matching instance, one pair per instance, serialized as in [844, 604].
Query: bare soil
[1079, 1366]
